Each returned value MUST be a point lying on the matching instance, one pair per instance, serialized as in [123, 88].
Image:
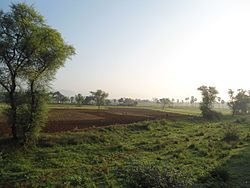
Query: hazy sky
[146, 49]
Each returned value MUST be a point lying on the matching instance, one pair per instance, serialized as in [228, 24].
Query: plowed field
[79, 119]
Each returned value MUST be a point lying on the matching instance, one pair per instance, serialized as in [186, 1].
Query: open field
[68, 119]
[194, 150]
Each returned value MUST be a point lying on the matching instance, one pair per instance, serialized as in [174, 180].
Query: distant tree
[127, 102]
[165, 102]
[99, 97]
[208, 98]
[121, 100]
[156, 100]
[192, 100]
[72, 99]
[88, 100]
[59, 97]
[239, 103]
[107, 102]
[79, 99]
[187, 99]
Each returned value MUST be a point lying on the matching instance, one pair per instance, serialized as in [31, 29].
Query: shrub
[241, 120]
[231, 134]
[216, 178]
[149, 176]
[211, 115]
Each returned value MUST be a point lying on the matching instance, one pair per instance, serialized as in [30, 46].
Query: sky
[150, 48]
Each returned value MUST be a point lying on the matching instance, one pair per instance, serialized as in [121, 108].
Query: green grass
[181, 110]
[97, 158]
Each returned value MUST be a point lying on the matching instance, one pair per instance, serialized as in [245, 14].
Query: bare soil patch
[61, 119]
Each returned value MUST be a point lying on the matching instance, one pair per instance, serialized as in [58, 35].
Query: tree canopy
[30, 54]
[209, 95]
[99, 96]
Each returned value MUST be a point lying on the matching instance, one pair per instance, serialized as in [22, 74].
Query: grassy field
[188, 110]
[193, 151]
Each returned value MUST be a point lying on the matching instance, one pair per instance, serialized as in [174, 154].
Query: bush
[231, 134]
[149, 176]
[211, 115]
[216, 178]
[241, 120]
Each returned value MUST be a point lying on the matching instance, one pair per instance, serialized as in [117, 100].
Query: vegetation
[99, 97]
[172, 150]
[165, 102]
[239, 103]
[208, 98]
[31, 52]
[127, 102]
[190, 151]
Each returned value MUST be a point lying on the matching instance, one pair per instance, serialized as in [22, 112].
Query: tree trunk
[32, 110]
[13, 114]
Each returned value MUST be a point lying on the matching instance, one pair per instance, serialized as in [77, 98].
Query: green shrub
[241, 120]
[215, 179]
[211, 115]
[149, 176]
[231, 134]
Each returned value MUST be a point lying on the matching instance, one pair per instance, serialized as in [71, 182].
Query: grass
[187, 110]
[97, 158]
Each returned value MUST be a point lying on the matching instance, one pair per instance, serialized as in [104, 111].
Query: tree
[72, 99]
[193, 100]
[208, 98]
[187, 99]
[79, 99]
[99, 97]
[89, 100]
[30, 54]
[59, 97]
[239, 103]
[127, 102]
[165, 102]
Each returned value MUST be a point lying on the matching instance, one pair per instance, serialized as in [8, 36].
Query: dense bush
[210, 114]
[215, 179]
[231, 134]
[149, 176]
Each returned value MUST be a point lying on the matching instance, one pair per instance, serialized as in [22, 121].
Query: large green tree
[30, 53]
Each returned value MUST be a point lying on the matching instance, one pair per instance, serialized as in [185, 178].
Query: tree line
[98, 98]
[239, 102]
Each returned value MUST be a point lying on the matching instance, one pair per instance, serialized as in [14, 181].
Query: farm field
[68, 119]
[190, 149]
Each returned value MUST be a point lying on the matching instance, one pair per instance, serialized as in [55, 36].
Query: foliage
[231, 134]
[218, 177]
[208, 98]
[239, 103]
[31, 53]
[79, 99]
[190, 150]
[58, 97]
[99, 96]
[127, 102]
[165, 102]
[149, 176]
